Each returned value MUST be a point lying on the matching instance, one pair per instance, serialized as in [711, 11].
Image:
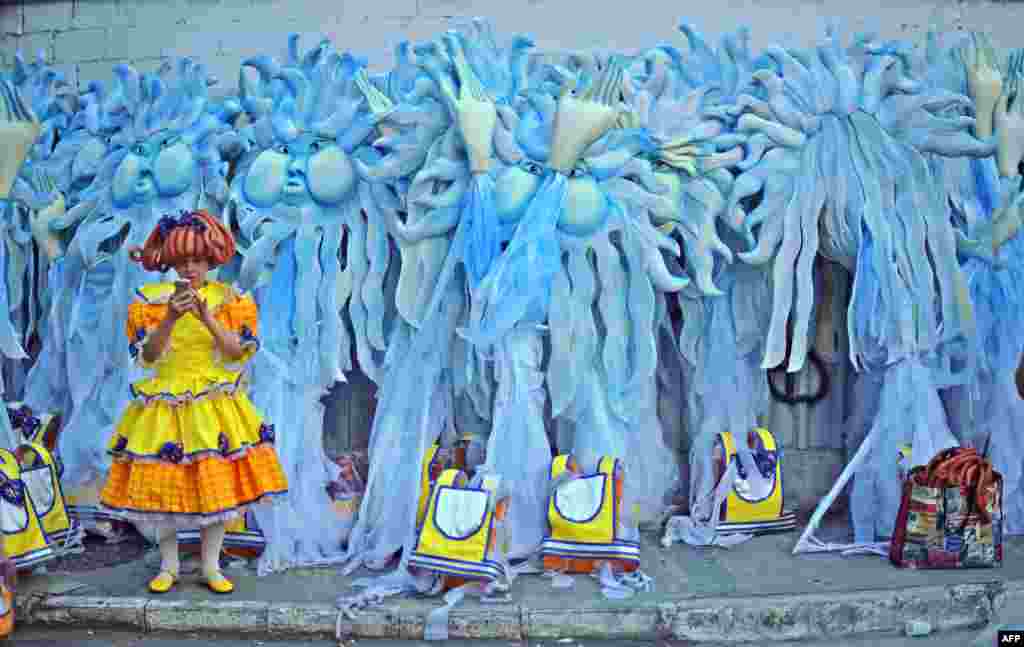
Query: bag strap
[962, 466]
[984, 474]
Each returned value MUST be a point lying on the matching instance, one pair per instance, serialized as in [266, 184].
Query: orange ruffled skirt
[207, 491]
[174, 478]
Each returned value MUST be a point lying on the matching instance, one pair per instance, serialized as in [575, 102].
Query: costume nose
[297, 168]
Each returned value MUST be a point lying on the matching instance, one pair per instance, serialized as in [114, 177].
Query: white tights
[212, 538]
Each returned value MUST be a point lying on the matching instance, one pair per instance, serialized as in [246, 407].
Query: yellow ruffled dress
[191, 449]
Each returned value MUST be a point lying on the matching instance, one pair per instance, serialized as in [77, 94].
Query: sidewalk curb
[769, 618]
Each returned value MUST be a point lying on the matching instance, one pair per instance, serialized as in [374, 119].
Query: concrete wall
[86, 37]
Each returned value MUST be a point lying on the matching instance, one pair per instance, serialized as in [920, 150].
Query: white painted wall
[87, 37]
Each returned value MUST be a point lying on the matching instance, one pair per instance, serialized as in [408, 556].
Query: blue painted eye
[282, 148]
[139, 149]
[533, 168]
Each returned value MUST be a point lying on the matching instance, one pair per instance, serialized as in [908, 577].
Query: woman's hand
[201, 310]
[227, 341]
[180, 303]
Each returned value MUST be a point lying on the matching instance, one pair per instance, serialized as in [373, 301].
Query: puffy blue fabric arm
[10, 342]
[520, 279]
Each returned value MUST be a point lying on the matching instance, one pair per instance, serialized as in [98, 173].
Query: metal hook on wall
[788, 394]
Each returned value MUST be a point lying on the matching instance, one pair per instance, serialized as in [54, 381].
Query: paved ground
[762, 566]
[99, 554]
[758, 588]
[36, 638]
[959, 639]
[48, 638]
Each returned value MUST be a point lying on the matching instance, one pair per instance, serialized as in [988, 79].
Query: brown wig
[193, 234]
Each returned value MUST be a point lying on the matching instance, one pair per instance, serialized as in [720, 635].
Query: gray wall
[86, 37]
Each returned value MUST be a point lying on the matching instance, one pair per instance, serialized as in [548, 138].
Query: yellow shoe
[217, 583]
[163, 582]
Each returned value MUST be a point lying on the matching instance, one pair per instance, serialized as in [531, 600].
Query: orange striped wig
[193, 234]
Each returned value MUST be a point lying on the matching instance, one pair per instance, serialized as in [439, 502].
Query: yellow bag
[39, 472]
[745, 511]
[83, 502]
[584, 519]
[435, 461]
[458, 537]
[24, 542]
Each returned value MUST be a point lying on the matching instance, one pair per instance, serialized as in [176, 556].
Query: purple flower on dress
[222, 443]
[12, 490]
[267, 433]
[136, 344]
[246, 336]
[173, 452]
[121, 444]
[186, 219]
[22, 418]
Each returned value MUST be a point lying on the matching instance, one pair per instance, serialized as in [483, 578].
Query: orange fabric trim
[237, 313]
[144, 316]
[582, 565]
[234, 312]
[206, 487]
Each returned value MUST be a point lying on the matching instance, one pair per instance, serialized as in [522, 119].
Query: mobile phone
[180, 286]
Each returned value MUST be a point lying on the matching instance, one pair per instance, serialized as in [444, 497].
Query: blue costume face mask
[159, 166]
[306, 168]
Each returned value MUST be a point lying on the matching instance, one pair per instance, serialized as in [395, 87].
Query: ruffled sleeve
[241, 316]
[143, 319]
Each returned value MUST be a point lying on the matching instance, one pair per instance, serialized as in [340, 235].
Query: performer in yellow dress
[191, 449]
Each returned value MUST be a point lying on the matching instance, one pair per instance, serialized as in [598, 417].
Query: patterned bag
[951, 514]
[8, 578]
[346, 492]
